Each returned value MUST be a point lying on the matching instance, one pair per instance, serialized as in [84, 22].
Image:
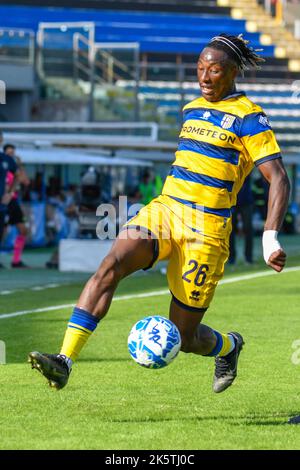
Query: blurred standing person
[261, 195]
[14, 211]
[147, 188]
[244, 208]
[6, 164]
[158, 183]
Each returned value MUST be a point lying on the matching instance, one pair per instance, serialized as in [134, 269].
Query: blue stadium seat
[276, 100]
[156, 32]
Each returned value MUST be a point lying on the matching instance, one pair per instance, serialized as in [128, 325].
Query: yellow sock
[228, 344]
[224, 345]
[80, 328]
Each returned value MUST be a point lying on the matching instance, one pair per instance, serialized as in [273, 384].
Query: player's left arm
[274, 172]
[16, 182]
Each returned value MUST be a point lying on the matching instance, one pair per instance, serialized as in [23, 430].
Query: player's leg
[194, 271]
[195, 337]
[200, 339]
[127, 255]
[16, 217]
[138, 246]
[2, 228]
[19, 247]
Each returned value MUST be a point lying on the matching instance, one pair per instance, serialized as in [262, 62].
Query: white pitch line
[46, 286]
[34, 288]
[244, 277]
[37, 310]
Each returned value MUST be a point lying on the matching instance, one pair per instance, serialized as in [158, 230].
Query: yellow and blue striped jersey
[219, 144]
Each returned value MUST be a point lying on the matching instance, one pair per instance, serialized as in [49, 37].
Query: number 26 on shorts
[196, 273]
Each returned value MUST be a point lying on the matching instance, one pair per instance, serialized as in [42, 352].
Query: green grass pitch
[112, 403]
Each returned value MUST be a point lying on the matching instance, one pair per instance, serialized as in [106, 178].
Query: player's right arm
[13, 168]
[22, 175]
[274, 172]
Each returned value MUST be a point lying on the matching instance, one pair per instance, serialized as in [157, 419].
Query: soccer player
[14, 210]
[223, 136]
[7, 164]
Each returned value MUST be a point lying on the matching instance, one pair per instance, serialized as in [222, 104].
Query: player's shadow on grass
[22, 359]
[265, 420]
[268, 422]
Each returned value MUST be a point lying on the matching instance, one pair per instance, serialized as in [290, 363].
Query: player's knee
[109, 272]
[24, 231]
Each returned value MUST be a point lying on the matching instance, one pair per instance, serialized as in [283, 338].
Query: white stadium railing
[152, 126]
[291, 87]
[62, 127]
[27, 36]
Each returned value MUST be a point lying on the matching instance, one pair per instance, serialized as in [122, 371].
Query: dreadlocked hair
[236, 47]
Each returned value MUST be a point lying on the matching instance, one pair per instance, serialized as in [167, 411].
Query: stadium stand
[155, 32]
[167, 52]
[192, 6]
[160, 34]
[280, 101]
[258, 19]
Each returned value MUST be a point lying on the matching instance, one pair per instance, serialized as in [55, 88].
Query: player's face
[216, 74]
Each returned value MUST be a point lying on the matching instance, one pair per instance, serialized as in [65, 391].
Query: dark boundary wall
[179, 6]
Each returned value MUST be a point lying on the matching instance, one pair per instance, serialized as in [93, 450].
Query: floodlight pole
[137, 84]
[91, 108]
[181, 77]
[39, 59]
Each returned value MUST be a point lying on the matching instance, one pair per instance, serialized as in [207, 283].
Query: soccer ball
[154, 342]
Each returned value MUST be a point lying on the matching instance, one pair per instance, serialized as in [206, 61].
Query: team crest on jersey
[264, 121]
[227, 121]
[5, 165]
[206, 115]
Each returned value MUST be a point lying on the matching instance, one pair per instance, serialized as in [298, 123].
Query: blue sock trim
[218, 345]
[85, 319]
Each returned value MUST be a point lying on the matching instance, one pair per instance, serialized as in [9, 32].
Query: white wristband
[270, 243]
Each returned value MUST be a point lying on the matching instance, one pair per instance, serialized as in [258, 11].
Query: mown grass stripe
[244, 277]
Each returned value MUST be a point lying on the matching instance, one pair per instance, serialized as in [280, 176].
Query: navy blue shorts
[15, 214]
